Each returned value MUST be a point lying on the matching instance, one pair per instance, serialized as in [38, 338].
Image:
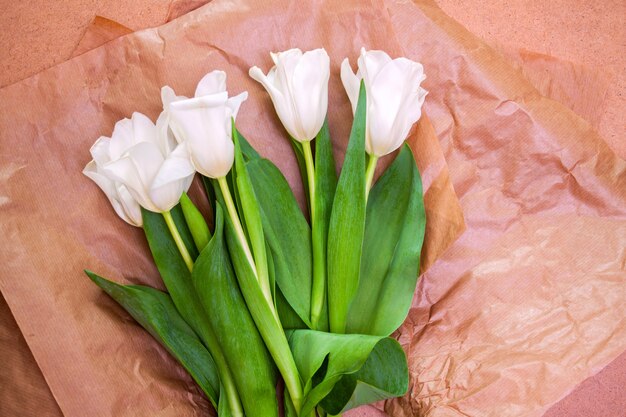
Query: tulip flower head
[203, 124]
[135, 159]
[394, 97]
[298, 87]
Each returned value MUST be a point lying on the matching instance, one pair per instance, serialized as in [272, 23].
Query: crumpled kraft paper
[487, 402]
[528, 302]
[96, 360]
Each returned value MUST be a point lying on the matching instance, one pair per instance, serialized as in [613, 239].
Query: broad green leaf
[271, 270]
[342, 371]
[251, 215]
[183, 229]
[383, 375]
[247, 357]
[173, 270]
[223, 409]
[177, 280]
[210, 192]
[325, 185]
[195, 222]
[261, 310]
[288, 235]
[157, 314]
[288, 317]
[394, 233]
[347, 223]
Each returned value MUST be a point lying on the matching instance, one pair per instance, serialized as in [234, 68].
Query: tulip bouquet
[266, 292]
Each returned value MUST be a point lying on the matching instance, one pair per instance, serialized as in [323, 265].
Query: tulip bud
[137, 160]
[394, 97]
[298, 87]
[203, 124]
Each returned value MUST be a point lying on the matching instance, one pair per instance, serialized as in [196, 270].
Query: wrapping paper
[452, 373]
[96, 360]
[528, 301]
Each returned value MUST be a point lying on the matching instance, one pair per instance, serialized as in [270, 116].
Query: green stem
[310, 173]
[178, 239]
[241, 236]
[232, 212]
[278, 346]
[208, 336]
[318, 289]
[369, 173]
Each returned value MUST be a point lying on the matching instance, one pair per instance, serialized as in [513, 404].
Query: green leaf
[325, 185]
[347, 224]
[251, 215]
[195, 222]
[288, 235]
[342, 371]
[171, 266]
[245, 352]
[288, 317]
[156, 313]
[177, 280]
[223, 409]
[183, 229]
[210, 192]
[394, 233]
[289, 409]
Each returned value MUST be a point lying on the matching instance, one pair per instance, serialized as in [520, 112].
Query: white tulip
[137, 160]
[298, 87]
[203, 124]
[394, 97]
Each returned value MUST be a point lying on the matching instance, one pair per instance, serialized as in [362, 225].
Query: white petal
[167, 95]
[129, 132]
[351, 83]
[309, 87]
[100, 150]
[283, 107]
[132, 209]
[235, 102]
[173, 176]
[143, 129]
[394, 105]
[122, 138]
[287, 59]
[124, 205]
[212, 83]
[105, 184]
[385, 97]
[406, 120]
[137, 170]
[204, 125]
[371, 63]
[167, 142]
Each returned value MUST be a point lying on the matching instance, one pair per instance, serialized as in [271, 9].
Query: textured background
[38, 34]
